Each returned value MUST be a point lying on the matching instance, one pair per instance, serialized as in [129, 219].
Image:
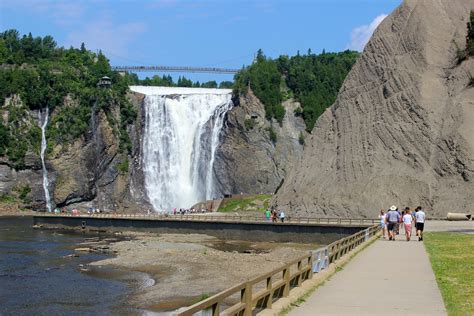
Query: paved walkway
[387, 278]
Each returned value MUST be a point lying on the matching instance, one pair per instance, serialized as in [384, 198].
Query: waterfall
[43, 164]
[181, 134]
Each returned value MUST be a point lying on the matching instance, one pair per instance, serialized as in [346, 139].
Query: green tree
[314, 80]
[209, 84]
[226, 85]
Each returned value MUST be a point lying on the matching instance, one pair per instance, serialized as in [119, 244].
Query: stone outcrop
[248, 161]
[402, 128]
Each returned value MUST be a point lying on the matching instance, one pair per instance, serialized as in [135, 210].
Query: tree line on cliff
[312, 79]
[44, 75]
[167, 81]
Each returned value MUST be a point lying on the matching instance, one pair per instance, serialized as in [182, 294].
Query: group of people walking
[393, 220]
[273, 215]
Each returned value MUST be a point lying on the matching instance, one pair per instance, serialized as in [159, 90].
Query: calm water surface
[38, 278]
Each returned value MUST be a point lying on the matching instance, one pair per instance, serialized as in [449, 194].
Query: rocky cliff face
[248, 160]
[402, 128]
[90, 172]
[93, 172]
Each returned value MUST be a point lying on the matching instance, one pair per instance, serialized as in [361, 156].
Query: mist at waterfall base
[182, 129]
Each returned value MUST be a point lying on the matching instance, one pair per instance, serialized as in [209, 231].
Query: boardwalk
[388, 278]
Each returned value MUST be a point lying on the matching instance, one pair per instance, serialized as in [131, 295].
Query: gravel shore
[187, 267]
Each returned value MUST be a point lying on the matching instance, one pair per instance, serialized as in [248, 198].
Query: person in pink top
[407, 221]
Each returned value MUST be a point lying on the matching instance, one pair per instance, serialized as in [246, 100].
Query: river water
[39, 277]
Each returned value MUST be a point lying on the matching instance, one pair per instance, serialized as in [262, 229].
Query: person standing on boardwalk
[420, 222]
[268, 213]
[383, 224]
[407, 220]
[282, 216]
[392, 220]
[274, 216]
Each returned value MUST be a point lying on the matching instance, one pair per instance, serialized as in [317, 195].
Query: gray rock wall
[247, 161]
[402, 128]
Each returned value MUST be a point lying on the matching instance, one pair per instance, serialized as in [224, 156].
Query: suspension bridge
[175, 69]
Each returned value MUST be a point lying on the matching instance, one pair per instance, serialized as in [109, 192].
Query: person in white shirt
[282, 216]
[407, 220]
[420, 222]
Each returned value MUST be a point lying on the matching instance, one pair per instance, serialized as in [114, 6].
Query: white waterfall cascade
[44, 117]
[181, 135]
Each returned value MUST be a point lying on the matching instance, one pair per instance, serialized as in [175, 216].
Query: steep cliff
[402, 128]
[91, 171]
[248, 160]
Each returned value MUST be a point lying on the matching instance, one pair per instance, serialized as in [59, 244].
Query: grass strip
[452, 259]
[246, 204]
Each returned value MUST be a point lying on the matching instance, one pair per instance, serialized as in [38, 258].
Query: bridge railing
[280, 281]
[176, 69]
[235, 218]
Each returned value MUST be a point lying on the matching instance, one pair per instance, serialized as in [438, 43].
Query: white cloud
[107, 36]
[361, 34]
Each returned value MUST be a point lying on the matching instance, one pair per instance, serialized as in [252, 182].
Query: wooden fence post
[269, 302]
[215, 309]
[286, 278]
[300, 277]
[246, 298]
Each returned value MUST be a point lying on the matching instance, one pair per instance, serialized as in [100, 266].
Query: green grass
[452, 259]
[257, 203]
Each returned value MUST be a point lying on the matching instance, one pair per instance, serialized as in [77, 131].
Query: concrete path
[387, 278]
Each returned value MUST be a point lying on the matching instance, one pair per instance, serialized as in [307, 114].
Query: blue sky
[223, 33]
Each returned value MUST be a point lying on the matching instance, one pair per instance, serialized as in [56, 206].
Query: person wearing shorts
[407, 220]
[392, 220]
[420, 222]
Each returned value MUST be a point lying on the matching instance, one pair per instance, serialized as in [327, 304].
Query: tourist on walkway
[282, 216]
[383, 224]
[399, 221]
[274, 216]
[407, 220]
[420, 222]
[268, 214]
[392, 220]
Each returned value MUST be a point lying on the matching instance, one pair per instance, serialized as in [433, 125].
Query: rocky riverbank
[213, 265]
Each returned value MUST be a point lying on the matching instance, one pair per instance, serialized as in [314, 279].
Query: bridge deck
[176, 69]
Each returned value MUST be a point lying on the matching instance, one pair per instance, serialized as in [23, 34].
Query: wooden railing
[278, 282]
[342, 246]
[235, 218]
